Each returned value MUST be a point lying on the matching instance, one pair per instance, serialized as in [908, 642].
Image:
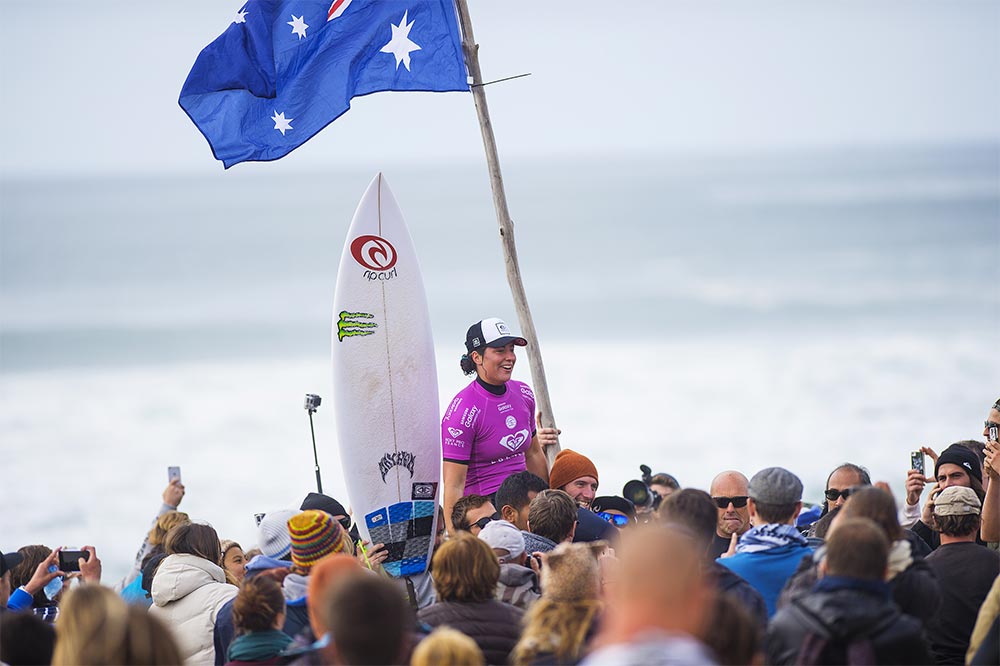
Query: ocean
[695, 313]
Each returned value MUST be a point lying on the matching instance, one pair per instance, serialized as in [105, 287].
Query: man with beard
[729, 492]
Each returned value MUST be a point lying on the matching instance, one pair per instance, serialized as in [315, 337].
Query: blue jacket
[768, 570]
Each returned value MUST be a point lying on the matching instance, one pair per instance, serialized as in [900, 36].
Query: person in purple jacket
[488, 431]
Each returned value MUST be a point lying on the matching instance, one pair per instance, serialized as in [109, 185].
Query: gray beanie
[273, 537]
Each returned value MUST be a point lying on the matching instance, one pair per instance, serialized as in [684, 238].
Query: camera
[312, 402]
[69, 559]
[640, 494]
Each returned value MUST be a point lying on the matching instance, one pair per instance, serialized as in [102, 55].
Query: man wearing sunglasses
[472, 513]
[729, 492]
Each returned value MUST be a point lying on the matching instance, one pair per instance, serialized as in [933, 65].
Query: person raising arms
[488, 431]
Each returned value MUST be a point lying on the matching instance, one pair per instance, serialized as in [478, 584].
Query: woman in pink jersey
[488, 431]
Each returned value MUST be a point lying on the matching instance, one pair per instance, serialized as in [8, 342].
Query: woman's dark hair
[22, 573]
[467, 364]
[878, 506]
[260, 601]
[194, 539]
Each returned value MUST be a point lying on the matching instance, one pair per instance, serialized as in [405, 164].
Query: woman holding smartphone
[488, 431]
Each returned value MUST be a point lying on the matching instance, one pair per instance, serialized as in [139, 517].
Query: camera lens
[637, 493]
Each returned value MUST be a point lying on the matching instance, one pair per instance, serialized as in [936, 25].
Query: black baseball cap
[491, 332]
[9, 560]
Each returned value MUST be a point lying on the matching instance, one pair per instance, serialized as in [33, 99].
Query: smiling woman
[488, 431]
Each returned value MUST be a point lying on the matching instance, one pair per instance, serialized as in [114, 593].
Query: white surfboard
[385, 385]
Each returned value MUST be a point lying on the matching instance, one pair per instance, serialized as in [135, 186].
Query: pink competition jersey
[490, 433]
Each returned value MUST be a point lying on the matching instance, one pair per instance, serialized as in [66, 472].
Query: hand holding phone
[69, 559]
[917, 461]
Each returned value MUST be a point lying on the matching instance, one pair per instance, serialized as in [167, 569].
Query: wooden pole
[539, 384]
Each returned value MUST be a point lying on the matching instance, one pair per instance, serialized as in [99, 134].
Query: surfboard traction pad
[406, 529]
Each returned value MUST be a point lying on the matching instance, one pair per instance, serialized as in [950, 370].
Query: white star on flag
[241, 16]
[281, 123]
[298, 25]
[400, 44]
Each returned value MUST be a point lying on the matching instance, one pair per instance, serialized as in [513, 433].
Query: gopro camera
[312, 402]
[917, 461]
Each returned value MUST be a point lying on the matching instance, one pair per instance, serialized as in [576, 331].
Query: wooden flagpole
[539, 384]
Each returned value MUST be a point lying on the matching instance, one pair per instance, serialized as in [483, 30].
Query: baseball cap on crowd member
[272, 534]
[613, 503]
[315, 534]
[491, 332]
[502, 535]
[957, 501]
[569, 466]
[775, 485]
[9, 560]
[956, 454]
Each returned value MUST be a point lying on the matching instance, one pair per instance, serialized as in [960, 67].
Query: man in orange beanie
[576, 474]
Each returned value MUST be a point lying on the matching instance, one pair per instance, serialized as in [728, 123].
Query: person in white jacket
[189, 588]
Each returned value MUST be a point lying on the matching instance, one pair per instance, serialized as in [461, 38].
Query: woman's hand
[42, 575]
[546, 436]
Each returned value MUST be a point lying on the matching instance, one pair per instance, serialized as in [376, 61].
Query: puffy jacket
[188, 592]
[840, 617]
[494, 625]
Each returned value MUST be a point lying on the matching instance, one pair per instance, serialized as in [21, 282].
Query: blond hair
[555, 627]
[158, 534]
[96, 627]
[446, 647]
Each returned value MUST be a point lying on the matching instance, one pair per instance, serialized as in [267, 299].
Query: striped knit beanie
[315, 534]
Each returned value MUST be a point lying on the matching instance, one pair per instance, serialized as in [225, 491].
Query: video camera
[640, 494]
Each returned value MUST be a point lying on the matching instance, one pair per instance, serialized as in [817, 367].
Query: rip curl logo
[353, 324]
[373, 252]
[514, 441]
[397, 458]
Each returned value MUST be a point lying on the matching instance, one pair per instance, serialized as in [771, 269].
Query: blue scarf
[833, 583]
[772, 535]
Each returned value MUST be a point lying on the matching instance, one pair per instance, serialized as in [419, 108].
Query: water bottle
[54, 586]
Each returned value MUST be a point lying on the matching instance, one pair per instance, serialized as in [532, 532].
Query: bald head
[733, 519]
[652, 595]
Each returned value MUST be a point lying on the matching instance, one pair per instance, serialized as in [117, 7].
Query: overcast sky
[92, 86]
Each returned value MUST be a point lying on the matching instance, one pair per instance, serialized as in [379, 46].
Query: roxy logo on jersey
[377, 255]
[514, 441]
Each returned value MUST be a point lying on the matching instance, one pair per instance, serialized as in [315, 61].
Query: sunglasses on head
[723, 502]
[614, 518]
[832, 494]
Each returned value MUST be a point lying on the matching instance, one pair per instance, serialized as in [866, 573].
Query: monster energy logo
[348, 325]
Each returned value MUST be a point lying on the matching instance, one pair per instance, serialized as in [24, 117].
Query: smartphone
[994, 436]
[69, 559]
[917, 461]
[173, 473]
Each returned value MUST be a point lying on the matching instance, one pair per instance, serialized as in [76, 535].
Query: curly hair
[465, 568]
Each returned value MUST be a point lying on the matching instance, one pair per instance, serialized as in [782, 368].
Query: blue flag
[285, 69]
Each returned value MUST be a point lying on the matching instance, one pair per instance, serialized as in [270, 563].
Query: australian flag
[285, 69]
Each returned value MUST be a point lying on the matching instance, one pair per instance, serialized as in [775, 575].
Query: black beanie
[320, 502]
[956, 454]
